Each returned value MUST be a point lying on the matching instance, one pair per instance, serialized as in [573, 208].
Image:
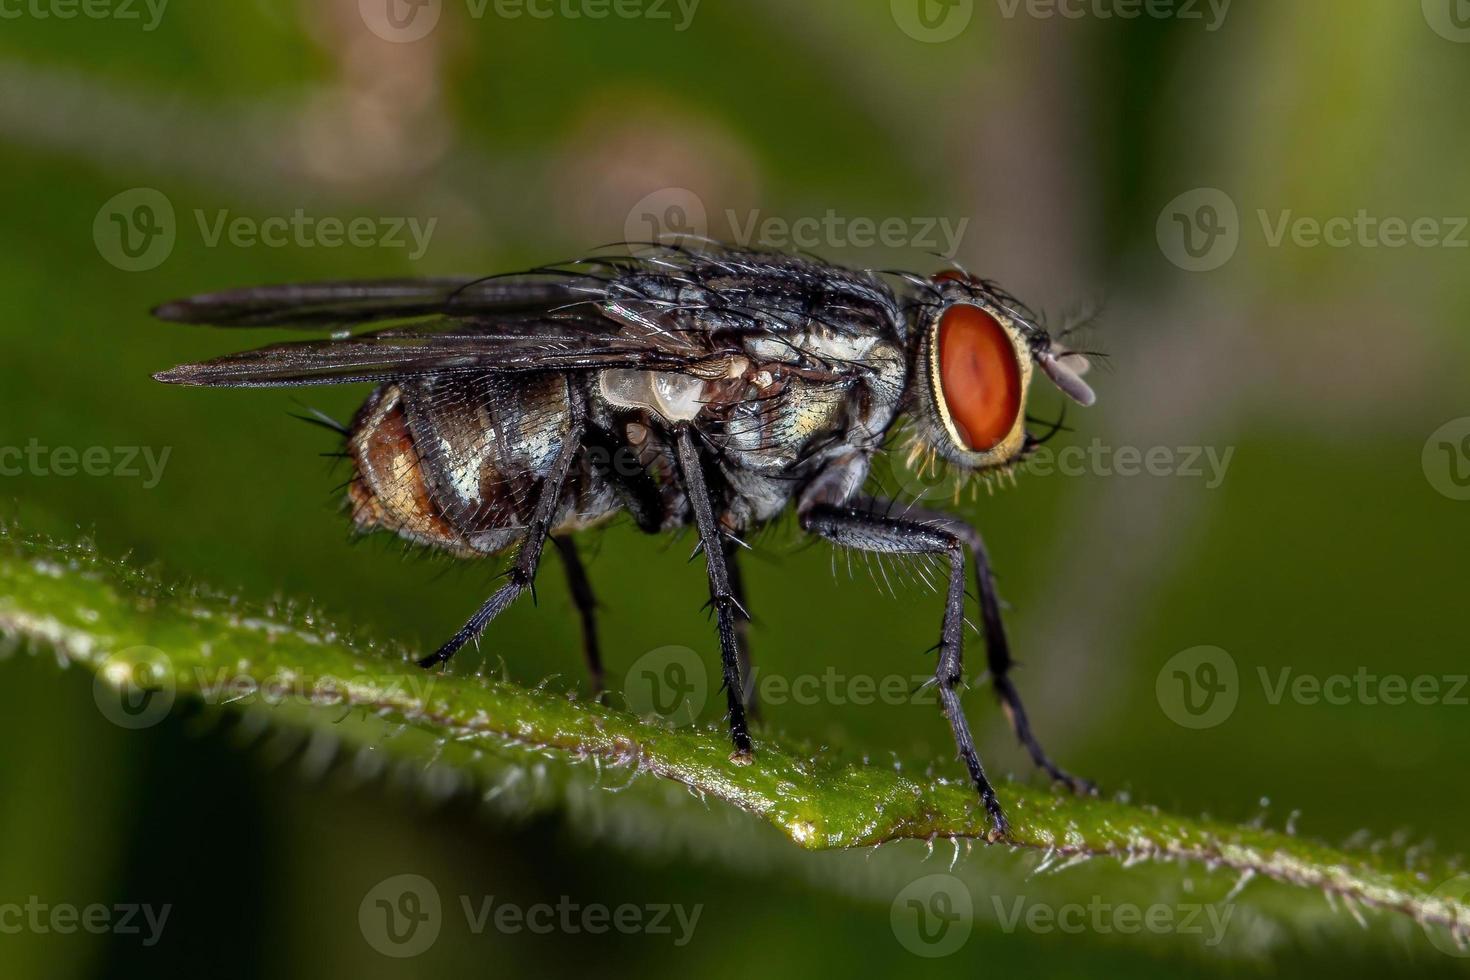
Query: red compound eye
[979, 376]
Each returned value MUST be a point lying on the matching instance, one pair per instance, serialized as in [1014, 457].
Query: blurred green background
[1334, 543]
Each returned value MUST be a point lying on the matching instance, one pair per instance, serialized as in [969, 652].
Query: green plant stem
[194, 646]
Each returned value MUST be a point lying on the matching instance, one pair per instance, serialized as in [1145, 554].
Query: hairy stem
[153, 647]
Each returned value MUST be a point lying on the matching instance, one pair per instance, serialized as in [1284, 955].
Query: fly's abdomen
[388, 489]
[456, 463]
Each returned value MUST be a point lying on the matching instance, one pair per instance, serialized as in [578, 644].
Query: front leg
[997, 648]
[722, 595]
[856, 528]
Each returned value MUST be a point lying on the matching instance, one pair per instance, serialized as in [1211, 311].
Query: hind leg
[582, 598]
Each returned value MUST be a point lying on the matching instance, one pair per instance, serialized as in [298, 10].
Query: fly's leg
[866, 531]
[742, 629]
[722, 597]
[997, 648]
[522, 572]
[581, 588]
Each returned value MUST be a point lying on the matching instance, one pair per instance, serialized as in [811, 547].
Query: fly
[702, 386]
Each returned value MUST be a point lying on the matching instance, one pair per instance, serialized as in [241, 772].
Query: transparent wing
[318, 304]
[504, 343]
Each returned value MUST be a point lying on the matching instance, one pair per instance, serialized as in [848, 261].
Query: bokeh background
[1139, 168]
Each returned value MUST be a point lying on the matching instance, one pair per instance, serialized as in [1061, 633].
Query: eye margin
[1011, 445]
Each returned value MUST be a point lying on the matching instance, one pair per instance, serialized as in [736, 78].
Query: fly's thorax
[674, 396]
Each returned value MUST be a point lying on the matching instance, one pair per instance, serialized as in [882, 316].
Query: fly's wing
[516, 325]
[319, 304]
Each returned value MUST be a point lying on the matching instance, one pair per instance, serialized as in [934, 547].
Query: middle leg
[722, 596]
[742, 629]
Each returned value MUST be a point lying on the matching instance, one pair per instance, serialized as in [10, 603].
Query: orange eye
[980, 376]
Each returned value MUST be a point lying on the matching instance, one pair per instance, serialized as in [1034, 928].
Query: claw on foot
[1000, 827]
[1078, 785]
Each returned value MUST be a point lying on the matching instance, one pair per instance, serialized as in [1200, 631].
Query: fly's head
[977, 350]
